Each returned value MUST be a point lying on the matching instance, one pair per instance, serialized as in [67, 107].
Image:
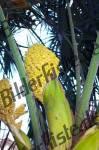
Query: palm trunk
[29, 97]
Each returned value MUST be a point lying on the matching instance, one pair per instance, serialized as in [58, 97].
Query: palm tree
[29, 14]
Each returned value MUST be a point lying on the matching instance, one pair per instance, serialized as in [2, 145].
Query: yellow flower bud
[41, 66]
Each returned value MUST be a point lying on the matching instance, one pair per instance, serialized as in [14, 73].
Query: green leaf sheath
[59, 116]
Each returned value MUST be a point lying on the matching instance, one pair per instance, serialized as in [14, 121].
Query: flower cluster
[8, 111]
[41, 66]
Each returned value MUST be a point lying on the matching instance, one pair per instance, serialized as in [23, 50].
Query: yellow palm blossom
[41, 66]
[8, 112]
